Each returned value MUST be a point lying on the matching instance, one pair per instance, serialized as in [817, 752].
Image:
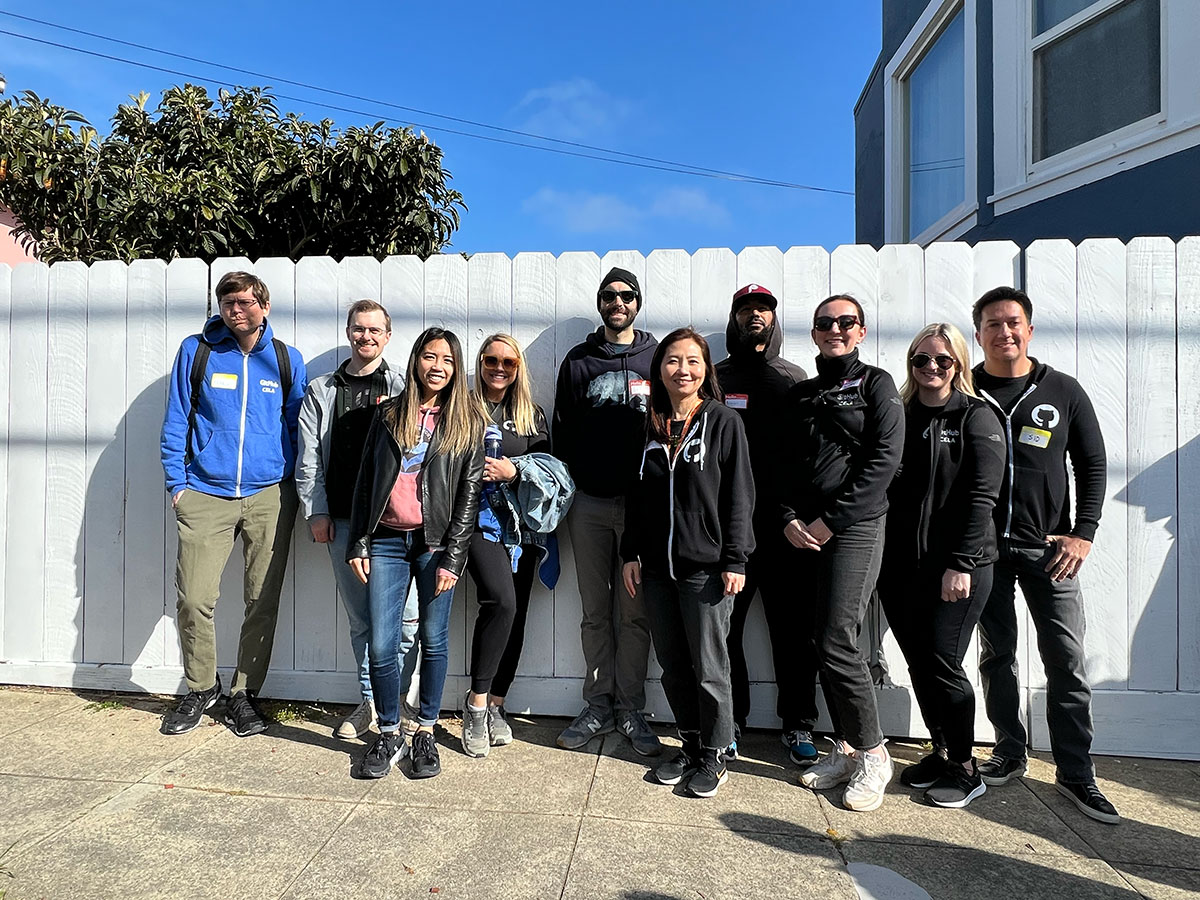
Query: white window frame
[920, 38]
[1018, 180]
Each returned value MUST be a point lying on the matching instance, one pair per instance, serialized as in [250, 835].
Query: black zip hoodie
[694, 513]
[600, 412]
[843, 442]
[940, 504]
[1051, 420]
[756, 384]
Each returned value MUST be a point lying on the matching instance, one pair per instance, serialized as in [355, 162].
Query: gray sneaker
[593, 721]
[475, 740]
[498, 727]
[408, 719]
[632, 724]
[357, 723]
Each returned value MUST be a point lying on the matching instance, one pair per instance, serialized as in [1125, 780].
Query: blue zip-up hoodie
[239, 442]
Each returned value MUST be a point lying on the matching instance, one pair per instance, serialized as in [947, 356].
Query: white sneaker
[870, 780]
[836, 768]
[358, 723]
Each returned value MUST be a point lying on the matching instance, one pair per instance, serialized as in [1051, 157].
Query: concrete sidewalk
[96, 803]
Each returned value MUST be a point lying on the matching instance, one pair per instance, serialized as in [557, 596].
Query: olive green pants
[208, 527]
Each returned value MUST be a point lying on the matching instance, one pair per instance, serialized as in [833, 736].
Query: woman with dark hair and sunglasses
[414, 509]
[687, 537]
[843, 437]
[941, 543]
[504, 390]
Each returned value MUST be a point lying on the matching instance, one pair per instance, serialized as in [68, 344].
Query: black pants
[846, 569]
[689, 620]
[503, 604]
[934, 636]
[777, 571]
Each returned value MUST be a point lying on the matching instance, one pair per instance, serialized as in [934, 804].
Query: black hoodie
[600, 412]
[755, 384]
[694, 513]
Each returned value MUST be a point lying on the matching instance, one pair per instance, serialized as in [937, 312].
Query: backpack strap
[199, 364]
[284, 361]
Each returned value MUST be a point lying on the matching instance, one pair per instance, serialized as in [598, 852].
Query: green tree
[204, 178]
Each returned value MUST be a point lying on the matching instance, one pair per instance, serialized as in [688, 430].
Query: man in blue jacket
[228, 451]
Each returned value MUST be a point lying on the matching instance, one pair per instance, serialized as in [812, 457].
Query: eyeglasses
[944, 361]
[238, 304]
[609, 297]
[825, 323]
[360, 330]
[507, 363]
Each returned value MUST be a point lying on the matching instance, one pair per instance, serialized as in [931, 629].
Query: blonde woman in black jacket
[941, 543]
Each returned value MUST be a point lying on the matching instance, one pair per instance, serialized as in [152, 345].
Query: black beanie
[619, 274]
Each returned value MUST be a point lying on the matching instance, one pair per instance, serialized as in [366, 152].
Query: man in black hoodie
[599, 430]
[755, 379]
[1046, 416]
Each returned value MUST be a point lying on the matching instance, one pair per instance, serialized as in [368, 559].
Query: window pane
[1051, 12]
[936, 128]
[1097, 78]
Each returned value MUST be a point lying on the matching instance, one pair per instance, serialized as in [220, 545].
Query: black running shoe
[388, 748]
[242, 716]
[190, 710]
[998, 770]
[924, 773]
[425, 760]
[956, 787]
[709, 775]
[1090, 801]
[683, 763]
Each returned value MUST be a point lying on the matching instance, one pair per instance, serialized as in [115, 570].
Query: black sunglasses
[825, 323]
[608, 297]
[944, 361]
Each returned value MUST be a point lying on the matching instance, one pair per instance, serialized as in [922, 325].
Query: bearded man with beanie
[598, 430]
[755, 379]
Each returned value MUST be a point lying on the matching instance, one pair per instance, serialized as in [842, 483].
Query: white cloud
[585, 212]
[577, 110]
[688, 204]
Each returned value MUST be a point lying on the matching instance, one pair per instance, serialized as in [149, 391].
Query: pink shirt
[403, 511]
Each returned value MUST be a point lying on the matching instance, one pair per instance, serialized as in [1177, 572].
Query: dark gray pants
[1057, 611]
[846, 570]
[689, 618]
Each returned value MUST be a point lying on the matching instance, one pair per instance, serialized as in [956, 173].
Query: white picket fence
[87, 575]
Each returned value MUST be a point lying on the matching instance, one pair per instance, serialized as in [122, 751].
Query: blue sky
[760, 88]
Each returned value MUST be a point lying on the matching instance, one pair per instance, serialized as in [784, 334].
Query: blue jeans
[358, 609]
[398, 559]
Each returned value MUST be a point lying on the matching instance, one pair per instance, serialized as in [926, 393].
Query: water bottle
[491, 448]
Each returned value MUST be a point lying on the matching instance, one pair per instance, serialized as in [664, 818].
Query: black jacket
[842, 443]
[449, 492]
[600, 412]
[941, 502]
[756, 384]
[696, 513]
[1052, 420]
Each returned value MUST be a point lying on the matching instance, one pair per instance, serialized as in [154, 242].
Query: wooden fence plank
[669, 282]
[1152, 491]
[805, 284]
[997, 263]
[402, 292]
[902, 291]
[854, 270]
[1187, 520]
[949, 281]
[1051, 285]
[713, 281]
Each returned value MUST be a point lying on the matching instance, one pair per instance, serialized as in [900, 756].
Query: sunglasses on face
[609, 297]
[921, 360]
[825, 323]
[507, 363]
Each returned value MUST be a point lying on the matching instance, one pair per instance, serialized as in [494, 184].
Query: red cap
[754, 292]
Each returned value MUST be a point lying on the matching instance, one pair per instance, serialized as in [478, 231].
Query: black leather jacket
[450, 488]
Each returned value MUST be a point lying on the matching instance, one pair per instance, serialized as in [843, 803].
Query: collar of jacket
[340, 373]
[836, 368]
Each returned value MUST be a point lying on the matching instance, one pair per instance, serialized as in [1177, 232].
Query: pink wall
[11, 251]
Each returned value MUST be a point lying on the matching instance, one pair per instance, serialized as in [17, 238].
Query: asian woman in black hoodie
[843, 436]
[941, 543]
[688, 534]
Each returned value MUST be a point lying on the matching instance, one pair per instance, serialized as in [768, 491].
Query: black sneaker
[190, 710]
[709, 775]
[998, 770]
[682, 763]
[425, 760]
[242, 716]
[1090, 801]
[956, 787]
[926, 772]
[388, 748]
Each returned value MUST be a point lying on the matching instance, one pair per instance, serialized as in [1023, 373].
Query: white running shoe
[865, 790]
[836, 768]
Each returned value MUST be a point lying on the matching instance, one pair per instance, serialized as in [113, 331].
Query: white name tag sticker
[226, 381]
[1034, 437]
[737, 401]
[638, 387]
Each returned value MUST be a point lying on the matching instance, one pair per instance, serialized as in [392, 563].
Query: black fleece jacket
[843, 440]
[940, 504]
[600, 412]
[756, 384]
[1051, 420]
[695, 513]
